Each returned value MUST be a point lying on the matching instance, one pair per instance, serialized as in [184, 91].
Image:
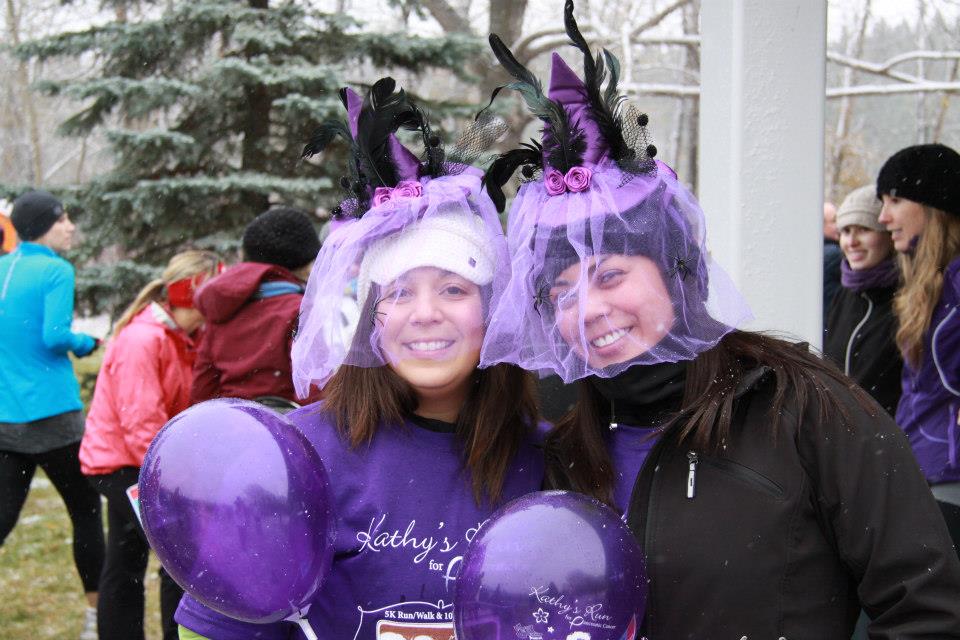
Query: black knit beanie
[925, 173]
[281, 236]
[34, 213]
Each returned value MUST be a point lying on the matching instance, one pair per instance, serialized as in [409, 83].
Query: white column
[761, 154]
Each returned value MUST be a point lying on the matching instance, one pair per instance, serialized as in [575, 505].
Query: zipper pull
[693, 460]
[613, 417]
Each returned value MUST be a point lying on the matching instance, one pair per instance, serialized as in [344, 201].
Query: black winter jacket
[783, 536]
[860, 338]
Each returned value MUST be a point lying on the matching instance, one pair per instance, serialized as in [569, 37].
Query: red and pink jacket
[143, 382]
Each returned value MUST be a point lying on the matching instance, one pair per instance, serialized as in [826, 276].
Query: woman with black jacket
[772, 497]
[861, 326]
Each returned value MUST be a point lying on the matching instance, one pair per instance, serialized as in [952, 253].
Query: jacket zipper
[654, 459]
[853, 335]
[731, 468]
[6, 281]
[648, 542]
[692, 461]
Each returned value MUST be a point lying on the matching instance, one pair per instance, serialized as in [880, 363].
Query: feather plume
[604, 106]
[433, 154]
[384, 111]
[324, 135]
[565, 141]
[504, 166]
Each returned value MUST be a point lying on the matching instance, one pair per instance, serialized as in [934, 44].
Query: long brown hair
[186, 264]
[499, 413]
[923, 281]
[579, 456]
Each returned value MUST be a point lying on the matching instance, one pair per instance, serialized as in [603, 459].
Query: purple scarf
[885, 274]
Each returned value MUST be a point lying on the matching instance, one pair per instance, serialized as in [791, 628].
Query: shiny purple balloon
[235, 502]
[552, 565]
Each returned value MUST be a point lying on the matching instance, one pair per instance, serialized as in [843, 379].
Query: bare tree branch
[25, 95]
[869, 67]
[657, 89]
[929, 86]
[525, 51]
[447, 16]
[915, 55]
[658, 17]
[854, 48]
[553, 40]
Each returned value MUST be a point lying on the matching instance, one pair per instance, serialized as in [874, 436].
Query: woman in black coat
[772, 497]
[861, 326]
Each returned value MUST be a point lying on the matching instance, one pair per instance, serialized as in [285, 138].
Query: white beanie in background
[861, 207]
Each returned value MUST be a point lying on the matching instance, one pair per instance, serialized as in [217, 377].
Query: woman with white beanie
[420, 445]
[861, 325]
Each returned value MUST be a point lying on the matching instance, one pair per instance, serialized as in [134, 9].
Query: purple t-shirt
[628, 448]
[929, 408]
[405, 513]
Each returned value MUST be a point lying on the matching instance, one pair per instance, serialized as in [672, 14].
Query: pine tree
[238, 86]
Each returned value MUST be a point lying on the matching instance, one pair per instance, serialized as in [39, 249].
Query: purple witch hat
[608, 249]
[402, 212]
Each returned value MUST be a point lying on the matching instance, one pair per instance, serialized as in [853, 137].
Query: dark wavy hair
[706, 415]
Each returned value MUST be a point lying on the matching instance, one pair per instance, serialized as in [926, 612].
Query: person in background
[8, 235]
[832, 256]
[920, 188]
[143, 382]
[251, 312]
[861, 325]
[41, 418]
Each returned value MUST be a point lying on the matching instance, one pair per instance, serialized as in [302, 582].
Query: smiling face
[612, 309]
[431, 329]
[864, 248]
[904, 219]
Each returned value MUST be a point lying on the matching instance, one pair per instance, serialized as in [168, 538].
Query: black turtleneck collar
[643, 395]
[430, 424]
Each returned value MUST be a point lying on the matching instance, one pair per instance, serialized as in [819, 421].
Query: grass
[40, 592]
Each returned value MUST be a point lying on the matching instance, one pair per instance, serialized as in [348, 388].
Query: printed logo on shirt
[424, 545]
[400, 631]
[407, 621]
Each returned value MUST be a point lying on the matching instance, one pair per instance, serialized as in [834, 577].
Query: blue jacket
[929, 409]
[36, 310]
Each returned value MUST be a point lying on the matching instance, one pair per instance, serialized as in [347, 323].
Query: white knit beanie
[455, 242]
[861, 207]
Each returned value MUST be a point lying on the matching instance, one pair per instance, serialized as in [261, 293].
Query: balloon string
[306, 628]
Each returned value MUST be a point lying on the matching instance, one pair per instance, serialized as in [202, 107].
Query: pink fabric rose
[577, 179]
[553, 181]
[408, 189]
[404, 189]
[382, 195]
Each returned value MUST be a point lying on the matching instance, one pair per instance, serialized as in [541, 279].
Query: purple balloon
[236, 503]
[551, 565]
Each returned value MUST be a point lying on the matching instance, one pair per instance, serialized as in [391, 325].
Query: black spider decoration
[374, 313]
[541, 297]
[681, 268]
